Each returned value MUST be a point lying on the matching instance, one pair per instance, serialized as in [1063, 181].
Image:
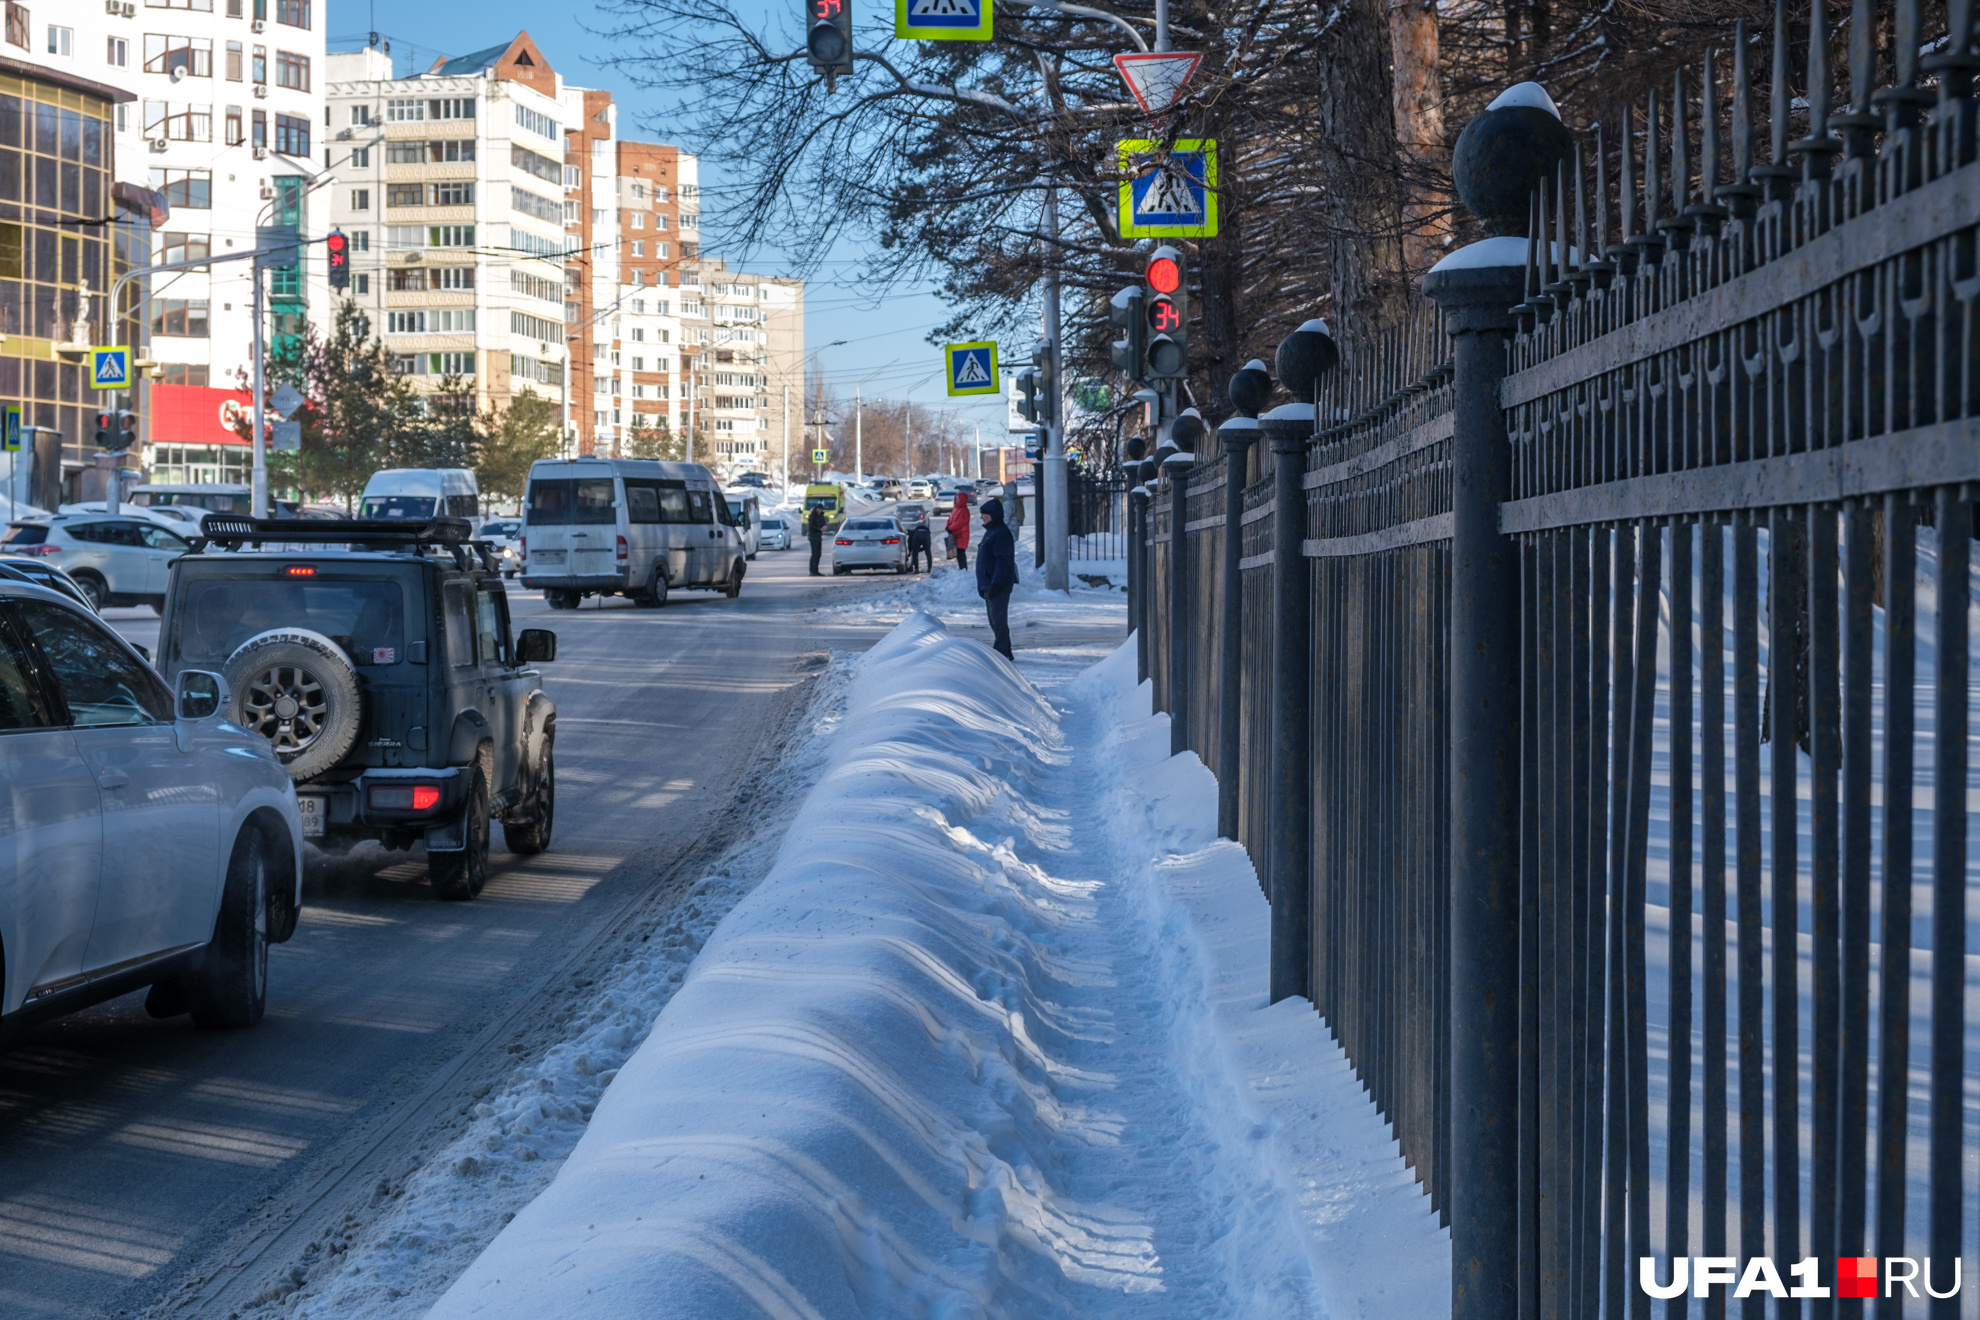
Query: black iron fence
[1096, 515]
[1607, 762]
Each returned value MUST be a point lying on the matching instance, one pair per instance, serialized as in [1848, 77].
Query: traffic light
[1167, 317]
[339, 249]
[828, 38]
[116, 430]
[1027, 383]
[1047, 384]
[1126, 312]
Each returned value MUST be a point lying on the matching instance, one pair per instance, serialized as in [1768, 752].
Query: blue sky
[884, 346]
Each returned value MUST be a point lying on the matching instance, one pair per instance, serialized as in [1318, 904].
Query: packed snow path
[966, 1052]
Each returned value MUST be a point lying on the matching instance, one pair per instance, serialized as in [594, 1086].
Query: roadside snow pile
[395, 1264]
[989, 1040]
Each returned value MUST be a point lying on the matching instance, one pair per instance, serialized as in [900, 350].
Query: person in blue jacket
[996, 573]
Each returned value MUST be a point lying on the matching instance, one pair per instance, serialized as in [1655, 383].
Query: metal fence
[1633, 874]
[1096, 515]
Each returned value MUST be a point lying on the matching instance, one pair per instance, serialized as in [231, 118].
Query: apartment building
[452, 186]
[225, 128]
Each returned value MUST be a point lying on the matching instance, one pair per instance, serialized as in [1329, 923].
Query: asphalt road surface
[144, 1160]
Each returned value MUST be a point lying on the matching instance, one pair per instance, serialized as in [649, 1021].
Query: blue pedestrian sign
[12, 431]
[110, 368]
[943, 20]
[972, 368]
[1169, 194]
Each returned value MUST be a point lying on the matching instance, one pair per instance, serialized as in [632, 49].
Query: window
[118, 54]
[360, 199]
[294, 13]
[186, 123]
[233, 8]
[529, 162]
[429, 153]
[639, 250]
[17, 25]
[102, 682]
[639, 309]
[638, 391]
[179, 316]
[185, 247]
[260, 134]
[573, 176]
[405, 281]
[402, 110]
[535, 327]
[450, 194]
[540, 207]
[399, 238]
[292, 71]
[639, 337]
[360, 114]
[61, 41]
[639, 220]
[452, 107]
[190, 190]
[437, 321]
[406, 364]
[259, 65]
[362, 284]
[185, 56]
[450, 236]
[453, 277]
[405, 323]
[659, 250]
[291, 135]
[361, 158]
[405, 194]
[235, 133]
[638, 364]
[450, 364]
[540, 124]
[233, 61]
[659, 220]
[198, 6]
[360, 240]
[639, 192]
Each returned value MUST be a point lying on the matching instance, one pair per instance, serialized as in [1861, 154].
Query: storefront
[58, 258]
[192, 436]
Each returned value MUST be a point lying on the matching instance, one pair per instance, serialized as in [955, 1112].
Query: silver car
[144, 841]
[870, 543]
[115, 561]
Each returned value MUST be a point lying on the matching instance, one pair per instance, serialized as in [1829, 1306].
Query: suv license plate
[312, 815]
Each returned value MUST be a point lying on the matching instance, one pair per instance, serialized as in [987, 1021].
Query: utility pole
[258, 498]
[784, 489]
[907, 446]
[1053, 487]
[859, 436]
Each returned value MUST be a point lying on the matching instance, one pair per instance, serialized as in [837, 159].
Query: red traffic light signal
[1163, 316]
[1164, 270]
[339, 248]
[116, 430]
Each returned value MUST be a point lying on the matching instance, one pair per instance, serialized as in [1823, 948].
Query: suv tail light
[625, 551]
[414, 797]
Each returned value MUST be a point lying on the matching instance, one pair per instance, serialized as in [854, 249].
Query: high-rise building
[452, 189]
[225, 126]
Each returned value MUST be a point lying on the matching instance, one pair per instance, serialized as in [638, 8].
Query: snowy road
[142, 1160]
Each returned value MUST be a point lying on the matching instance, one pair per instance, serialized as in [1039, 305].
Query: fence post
[1238, 434]
[1176, 467]
[1499, 159]
[1288, 429]
[1144, 528]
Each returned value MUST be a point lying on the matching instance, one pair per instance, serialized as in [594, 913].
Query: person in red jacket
[958, 528]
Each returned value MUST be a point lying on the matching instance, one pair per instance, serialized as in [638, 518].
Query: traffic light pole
[1053, 487]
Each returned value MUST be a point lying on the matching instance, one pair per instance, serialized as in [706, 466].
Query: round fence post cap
[1502, 154]
[1303, 355]
[1251, 386]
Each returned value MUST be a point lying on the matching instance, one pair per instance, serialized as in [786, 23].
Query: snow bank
[967, 1052]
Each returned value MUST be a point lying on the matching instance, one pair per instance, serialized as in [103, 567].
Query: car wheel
[840, 570]
[655, 594]
[460, 875]
[530, 836]
[92, 588]
[297, 689]
[734, 589]
[230, 988]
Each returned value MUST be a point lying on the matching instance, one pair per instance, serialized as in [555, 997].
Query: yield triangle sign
[1157, 78]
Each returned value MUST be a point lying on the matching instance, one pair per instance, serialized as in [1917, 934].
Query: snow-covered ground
[990, 1039]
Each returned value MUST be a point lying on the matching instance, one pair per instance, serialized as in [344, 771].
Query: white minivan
[417, 494]
[746, 511]
[627, 527]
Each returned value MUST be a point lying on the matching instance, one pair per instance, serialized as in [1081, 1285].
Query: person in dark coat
[814, 527]
[919, 547]
[996, 573]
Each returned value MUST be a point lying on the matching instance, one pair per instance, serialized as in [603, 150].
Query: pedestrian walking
[814, 527]
[919, 547]
[958, 528]
[996, 574]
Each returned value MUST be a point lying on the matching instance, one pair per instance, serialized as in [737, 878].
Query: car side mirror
[536, 646]
[201, 695]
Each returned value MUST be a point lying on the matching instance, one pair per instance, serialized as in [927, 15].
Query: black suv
[376, 657]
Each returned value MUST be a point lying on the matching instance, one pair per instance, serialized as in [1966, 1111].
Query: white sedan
[870, 543]
[774, 532]
[144, 841]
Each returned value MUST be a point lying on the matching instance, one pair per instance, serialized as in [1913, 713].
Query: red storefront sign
[197, 415]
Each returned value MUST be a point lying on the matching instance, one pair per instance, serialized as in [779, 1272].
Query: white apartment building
[451, 189]
[227, 129]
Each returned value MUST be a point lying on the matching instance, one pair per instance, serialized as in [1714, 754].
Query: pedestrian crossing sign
[820, 455]
[110, 368]
[1169, 192]
[943, 20]
[972, 368]
[12, 429]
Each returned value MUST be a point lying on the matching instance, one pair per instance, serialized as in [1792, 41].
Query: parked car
[759, 480]
[627, 527]
[870, 543]
[910, 516]
[773, 532]
[919, 489]
[385, 679]
[113, 561]
[417, 494]
[501, 535]
[145, 840]
[24, 568]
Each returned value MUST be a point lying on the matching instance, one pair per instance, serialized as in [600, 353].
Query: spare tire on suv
[299, 690]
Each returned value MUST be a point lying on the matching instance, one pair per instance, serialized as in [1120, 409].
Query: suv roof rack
[233, 531]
